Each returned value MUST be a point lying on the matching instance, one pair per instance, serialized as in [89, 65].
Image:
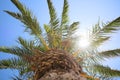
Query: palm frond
[96, 37]
[68, 31]
[110, 53]
[65, 19]
[25, 76]
[108, 28]
[31, 46]
[16, 78]
[102, 34]
[53, 37]
[19, 6]
[106, 71]
[30, 21]
[27, 17]
[26, 44]
[16, 51]
[15, 15]
[47, 28]
[73, 27]
[48, 34]
[99, 41]
[111, 27]
[53, 16]
[25, 71]
[14, 63]
[33, 27]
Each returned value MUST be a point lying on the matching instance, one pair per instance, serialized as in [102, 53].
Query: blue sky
[86, 11]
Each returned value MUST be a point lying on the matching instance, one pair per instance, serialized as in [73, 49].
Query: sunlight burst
[83, 41]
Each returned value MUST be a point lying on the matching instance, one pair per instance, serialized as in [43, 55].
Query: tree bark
[56, 65]
[59, 75]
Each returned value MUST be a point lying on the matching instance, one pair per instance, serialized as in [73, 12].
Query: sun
[83, 41]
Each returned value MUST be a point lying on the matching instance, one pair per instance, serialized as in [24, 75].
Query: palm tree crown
[59, 39]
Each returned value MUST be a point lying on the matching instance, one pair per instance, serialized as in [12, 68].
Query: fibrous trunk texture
[56, 65]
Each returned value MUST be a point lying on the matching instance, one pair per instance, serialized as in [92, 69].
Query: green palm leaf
[106, 71]
[16, 51]
[65, 19]
[53, 37]
[100, 35]
[27, 17]
[26, 44]
[16, 78]
[19, 6]
[99, 41]
[111, 27]
[13, 63]
[32, 28]
[30, 21]
[64, 27]
[16, 63]
[47, 28]
[15, 15]
[110, 53]
[53, 17]
[73, 27]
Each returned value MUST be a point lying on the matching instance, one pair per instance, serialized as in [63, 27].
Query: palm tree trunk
[61, 75]
[56, 65]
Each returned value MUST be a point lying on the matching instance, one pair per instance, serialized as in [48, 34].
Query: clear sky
[86, 11]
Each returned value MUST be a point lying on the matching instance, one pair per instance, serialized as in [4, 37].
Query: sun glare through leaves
[83, 41]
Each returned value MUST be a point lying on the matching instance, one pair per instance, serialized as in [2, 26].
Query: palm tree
[53, 56]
